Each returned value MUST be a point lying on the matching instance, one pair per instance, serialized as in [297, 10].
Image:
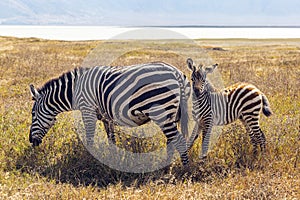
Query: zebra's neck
[58, 93]
[203, 97]
[210, 87]
[201, 103]
[200, 96]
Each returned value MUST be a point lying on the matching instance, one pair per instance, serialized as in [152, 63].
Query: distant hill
[78, 12]
[52, 12]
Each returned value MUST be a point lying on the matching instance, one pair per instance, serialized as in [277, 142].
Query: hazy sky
[218, 12]
[152, 12]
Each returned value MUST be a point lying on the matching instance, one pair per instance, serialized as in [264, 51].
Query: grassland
[61, 168]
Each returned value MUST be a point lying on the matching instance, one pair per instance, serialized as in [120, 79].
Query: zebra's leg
[259, 138]
[207, 127]
[89, 118]
[170, 151]
[110, 131]
[262, 141]
[174, 137]
[195, 134]
[251, 123]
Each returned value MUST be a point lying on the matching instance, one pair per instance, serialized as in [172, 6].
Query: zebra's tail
[184, 118]
[266, 106]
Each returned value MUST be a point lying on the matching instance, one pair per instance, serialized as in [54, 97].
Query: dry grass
[61, 168]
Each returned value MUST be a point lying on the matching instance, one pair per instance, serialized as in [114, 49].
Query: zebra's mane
[75, 72]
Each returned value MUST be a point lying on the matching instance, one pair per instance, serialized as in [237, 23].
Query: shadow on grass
[79, 168]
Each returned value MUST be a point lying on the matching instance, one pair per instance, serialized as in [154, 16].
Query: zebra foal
[220, 107]
[126, 96]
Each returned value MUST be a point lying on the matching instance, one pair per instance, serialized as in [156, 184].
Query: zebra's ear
[200, 67]
[34, 93]
[190, 64]
[210, 69]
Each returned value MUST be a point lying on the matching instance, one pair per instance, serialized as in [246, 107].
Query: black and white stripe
[212, 107]
[126, 96]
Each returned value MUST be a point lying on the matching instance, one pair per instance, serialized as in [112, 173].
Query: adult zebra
[212, 107]
[125, 96]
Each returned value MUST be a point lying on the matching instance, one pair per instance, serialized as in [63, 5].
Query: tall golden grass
[61, 168]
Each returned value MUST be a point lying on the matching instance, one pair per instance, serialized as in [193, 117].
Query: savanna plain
[61, 167]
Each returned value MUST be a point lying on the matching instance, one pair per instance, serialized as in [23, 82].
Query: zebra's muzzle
[34, 140]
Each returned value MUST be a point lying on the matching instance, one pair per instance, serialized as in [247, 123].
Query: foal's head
[198, 76]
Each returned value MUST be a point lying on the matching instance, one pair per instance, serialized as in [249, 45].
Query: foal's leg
[207, 127]
[251, 123]
[195, 134]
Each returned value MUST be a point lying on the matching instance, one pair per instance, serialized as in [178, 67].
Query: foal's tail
[266, 106]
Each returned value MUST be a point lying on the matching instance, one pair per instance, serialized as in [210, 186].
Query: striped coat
[125, 96]
[241, 101]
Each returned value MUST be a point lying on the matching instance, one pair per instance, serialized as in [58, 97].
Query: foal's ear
[34, 93]
[190, 64]
[210, 69]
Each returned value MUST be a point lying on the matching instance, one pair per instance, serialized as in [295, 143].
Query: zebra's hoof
[185, 163]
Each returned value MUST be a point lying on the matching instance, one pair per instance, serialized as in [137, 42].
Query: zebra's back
[229, 104]
[132, 95]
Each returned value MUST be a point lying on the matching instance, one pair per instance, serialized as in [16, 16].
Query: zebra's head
[198, 76]
[42, 119]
